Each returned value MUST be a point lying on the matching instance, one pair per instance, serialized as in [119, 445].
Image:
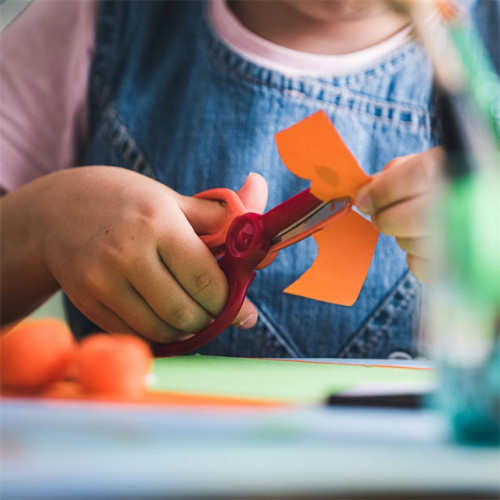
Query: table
[79, 449]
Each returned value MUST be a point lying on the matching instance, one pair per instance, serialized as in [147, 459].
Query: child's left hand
[399, 200]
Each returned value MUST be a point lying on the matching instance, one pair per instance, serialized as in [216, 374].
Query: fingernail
[364, 202]
[248, 322]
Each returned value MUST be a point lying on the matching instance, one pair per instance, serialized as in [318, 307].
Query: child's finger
[247, 317]
[253, 193]
[181, 314]
[419, 247]
[100, 314]
[114, 310]
[193, 266]
[414, 176]
[205, 216]
[176, 308]
[397, 161]
[408, 219]
[420, 268]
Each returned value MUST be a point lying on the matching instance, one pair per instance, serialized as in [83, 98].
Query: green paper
[273, 380]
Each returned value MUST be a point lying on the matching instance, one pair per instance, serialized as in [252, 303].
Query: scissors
[248, 241]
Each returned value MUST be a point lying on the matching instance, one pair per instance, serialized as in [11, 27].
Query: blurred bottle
[465, 301]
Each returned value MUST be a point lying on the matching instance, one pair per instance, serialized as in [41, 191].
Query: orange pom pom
[113, 364]
[35, 353]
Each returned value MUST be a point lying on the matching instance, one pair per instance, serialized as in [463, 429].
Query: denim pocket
[381, 336]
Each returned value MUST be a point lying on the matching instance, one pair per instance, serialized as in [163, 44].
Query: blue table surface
[83, 450]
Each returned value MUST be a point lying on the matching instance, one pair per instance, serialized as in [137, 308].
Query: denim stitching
[417, 118]
[418, 121]
[106, 42]
[378, 334]
[124, 143]
[370, 331]
[273, 338]
[220, 52]
[276, 349]
[261, 82]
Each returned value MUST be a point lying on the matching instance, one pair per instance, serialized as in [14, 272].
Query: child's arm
[123, 247]
[400, 198]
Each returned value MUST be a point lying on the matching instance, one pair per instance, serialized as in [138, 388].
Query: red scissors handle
[246, 239]
[247, 244]
[234, 207]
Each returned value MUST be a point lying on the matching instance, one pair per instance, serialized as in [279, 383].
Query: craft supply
[413, 401]
[313, 149]
[280, 381]
[113, 364]
[465, 300]
[36, 353]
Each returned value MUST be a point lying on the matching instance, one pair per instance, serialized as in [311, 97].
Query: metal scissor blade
[311, 222]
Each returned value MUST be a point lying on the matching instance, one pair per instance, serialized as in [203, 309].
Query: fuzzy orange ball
[113, 364]
[35, 353]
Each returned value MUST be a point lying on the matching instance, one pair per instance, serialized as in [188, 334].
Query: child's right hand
[123, 247]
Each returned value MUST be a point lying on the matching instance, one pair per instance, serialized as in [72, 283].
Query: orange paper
[313, 149]
[72, 391]
[345, 250]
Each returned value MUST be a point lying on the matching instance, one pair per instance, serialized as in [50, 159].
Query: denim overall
[170, 100]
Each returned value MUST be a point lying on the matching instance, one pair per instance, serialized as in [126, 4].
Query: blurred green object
[465, 306]
[466, 311]
[471, 216]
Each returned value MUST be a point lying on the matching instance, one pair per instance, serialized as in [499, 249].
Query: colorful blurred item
[113, 364]
[35, 354]
[39, 353]
[465, 303]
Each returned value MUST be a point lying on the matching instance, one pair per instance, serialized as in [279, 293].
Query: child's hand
[125, 250]
[399, 199]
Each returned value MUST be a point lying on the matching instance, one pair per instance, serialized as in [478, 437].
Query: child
[187, 96]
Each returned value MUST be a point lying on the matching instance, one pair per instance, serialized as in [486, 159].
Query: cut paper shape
[345, 250]
[313, 149]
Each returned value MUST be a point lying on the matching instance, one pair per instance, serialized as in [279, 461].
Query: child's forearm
[25, 280]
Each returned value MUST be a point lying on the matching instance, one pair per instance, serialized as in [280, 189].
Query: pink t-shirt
[44, 69]
[293, 62]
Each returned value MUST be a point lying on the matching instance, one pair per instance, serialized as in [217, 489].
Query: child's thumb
[205, 216]
[208, 216]
[253, 193]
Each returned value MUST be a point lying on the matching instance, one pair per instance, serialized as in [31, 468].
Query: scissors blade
[311, 222]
